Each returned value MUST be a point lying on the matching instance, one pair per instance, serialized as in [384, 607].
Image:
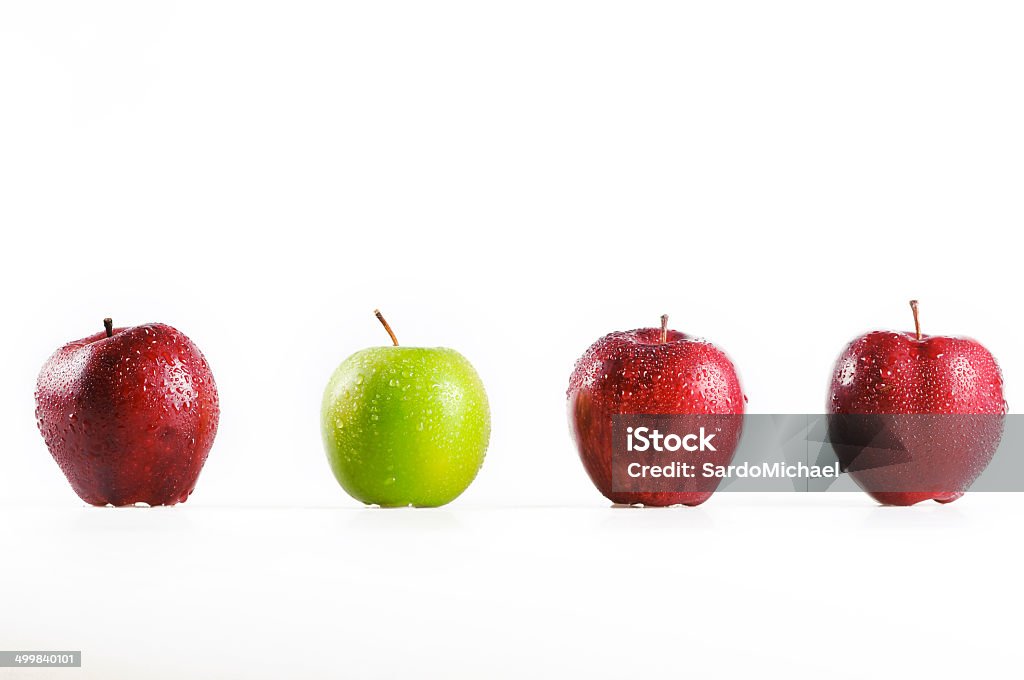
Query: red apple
[650, 371]
[914, 417]
[129, 414]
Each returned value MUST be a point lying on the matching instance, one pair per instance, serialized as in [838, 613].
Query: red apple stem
[108, 325]
[917, 321]
[387, 327]
[664, 328]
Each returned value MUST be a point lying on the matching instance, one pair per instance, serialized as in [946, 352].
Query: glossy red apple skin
[129, 418]
[633, 372]
[893, 381]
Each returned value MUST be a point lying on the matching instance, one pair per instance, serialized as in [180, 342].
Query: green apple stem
[387, 327]
[664, 328]
[917, 321]
[108, 325]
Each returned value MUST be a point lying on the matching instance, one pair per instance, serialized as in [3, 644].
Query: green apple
[405, 425]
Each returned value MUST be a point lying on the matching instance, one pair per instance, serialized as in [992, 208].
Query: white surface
[512, 180]
[789, 587]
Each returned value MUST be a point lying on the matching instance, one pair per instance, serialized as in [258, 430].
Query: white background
[512, 180]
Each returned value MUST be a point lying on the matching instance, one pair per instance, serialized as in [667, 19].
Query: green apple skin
[405, 425]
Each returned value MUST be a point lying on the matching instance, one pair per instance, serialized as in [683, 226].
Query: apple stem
[108, 325]
[664, 328]
[387, 327]
[917, 321]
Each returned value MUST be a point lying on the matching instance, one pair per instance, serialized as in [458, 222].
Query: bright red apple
[914, 417]
[650, 371]
[129, 414]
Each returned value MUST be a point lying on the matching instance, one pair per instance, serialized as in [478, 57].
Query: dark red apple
[650, 371]
[914, 417]
[129, 414]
